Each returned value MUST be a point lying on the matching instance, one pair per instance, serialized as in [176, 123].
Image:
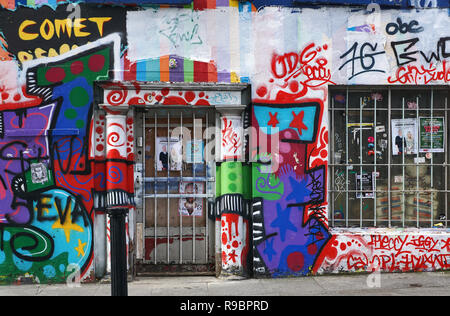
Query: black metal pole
[119, 286]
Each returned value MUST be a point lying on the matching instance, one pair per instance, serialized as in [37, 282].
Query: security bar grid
[185, 236]
[388, 156]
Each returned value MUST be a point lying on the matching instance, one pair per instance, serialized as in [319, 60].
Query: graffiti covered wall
[52, 175]
[291, 233]
[372, 250]
[54, 150]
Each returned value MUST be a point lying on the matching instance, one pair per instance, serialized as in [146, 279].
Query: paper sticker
[419, 160]
[380, 129]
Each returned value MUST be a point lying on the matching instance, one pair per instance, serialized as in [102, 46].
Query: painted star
[282, 222]
[233, 256]
[300, 192]
[80, 248]
[297, 122]
[273, 120]
[68, 225]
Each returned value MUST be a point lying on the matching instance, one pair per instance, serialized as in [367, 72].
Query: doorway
[178, 190]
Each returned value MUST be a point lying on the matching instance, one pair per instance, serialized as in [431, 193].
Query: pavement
[197, 287]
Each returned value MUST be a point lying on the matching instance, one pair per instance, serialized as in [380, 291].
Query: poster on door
[191, 206]
[194, 151]
[169, 153]
[431, 137]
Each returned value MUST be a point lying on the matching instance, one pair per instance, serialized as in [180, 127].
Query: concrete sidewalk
[425, 283]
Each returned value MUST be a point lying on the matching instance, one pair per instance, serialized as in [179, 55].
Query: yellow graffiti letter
[24, 35]
[24, 56]
[39, 52]
[63, 25]
[100, 22]
[77, 26]
[47, 34]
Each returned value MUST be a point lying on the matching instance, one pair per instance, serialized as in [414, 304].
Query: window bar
[385, 164]
[181, 179]
[445, 162]
[206, 188]
[389, 156]
[155, 182]
[193, 173]
[168, 183]
[360, 163]
[143, 172]
[403, 167]
[374, 174]
[346, 159]
[417, 169]
[432, 167]
[331, 192]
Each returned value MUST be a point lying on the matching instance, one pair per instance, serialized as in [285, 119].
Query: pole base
[119, 285]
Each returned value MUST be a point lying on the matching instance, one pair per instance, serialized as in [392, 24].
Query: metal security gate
[178, 190]
[389, 156]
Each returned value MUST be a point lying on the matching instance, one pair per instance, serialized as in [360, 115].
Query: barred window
[388, 156]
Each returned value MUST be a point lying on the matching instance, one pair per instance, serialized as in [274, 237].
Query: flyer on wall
[404, 136]
[365, 184]
[191, 206]
[431, 137]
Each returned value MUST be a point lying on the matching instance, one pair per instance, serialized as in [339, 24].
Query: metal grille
[379, 177]
[178, 189]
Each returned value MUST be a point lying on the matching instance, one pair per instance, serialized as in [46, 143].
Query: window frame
[344, 188]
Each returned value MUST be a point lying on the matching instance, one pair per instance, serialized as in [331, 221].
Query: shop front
[184, 135]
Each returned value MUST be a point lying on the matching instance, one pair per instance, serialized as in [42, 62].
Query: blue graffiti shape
[299, 117]
[282, 221]
[294, 233]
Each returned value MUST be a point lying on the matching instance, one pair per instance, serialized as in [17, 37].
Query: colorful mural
[289, 225]
[51, 179]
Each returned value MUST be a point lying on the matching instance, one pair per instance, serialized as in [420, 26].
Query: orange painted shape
[164, 68]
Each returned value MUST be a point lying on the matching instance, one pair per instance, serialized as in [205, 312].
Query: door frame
[139, 97]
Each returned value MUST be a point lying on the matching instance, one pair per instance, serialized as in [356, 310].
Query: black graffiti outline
[75, 212]
[361, 57]
[408, 56]
[13, 238]
[440, 52]
[312, 103]
[405, 55]
[402, 27]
